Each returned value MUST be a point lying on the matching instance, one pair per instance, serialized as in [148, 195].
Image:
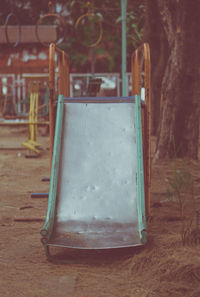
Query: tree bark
[154, 34]
[180, 88]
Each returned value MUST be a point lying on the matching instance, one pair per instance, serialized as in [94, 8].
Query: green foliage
[181, 182]
[135, 22]
[181, 189]
[108, 53]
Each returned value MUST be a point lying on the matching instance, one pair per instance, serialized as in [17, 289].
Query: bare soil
[164, 267]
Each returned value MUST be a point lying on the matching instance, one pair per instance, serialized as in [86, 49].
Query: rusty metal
[56, 16]
[88, 14]
[63, 85]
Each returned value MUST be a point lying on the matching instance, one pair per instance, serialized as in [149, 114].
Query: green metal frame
[48, 226]
[140, 172]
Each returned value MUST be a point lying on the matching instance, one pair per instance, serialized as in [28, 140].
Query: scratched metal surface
[97, 189]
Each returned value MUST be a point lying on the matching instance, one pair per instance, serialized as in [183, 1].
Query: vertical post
[93, 54]
[123, 15]
[51, 97]
[93, 61]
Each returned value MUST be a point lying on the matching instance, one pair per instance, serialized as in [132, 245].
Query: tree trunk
[154, 34]
[180, 89]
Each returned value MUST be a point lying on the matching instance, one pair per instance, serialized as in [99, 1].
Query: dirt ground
[163, 267]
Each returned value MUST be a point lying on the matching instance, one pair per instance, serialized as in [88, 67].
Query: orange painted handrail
[63, 85]
[140, 62]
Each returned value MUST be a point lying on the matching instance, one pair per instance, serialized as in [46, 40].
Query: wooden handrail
[140, 58]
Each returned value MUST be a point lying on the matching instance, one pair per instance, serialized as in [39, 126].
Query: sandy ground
[163, 267]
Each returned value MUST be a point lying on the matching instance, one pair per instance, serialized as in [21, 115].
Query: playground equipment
[12, 15]
[98, 187]
[14, 31]
[91, 17]
[32, 83]
[31, 143]
[141, 72]
[61, 25]
[6, 104]
[57, 23]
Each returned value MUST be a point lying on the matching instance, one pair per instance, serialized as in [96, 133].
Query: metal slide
[96, 197]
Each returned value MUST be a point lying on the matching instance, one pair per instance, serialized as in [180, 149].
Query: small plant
[181, 189]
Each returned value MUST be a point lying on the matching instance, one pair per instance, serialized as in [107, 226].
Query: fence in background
[15, 88]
